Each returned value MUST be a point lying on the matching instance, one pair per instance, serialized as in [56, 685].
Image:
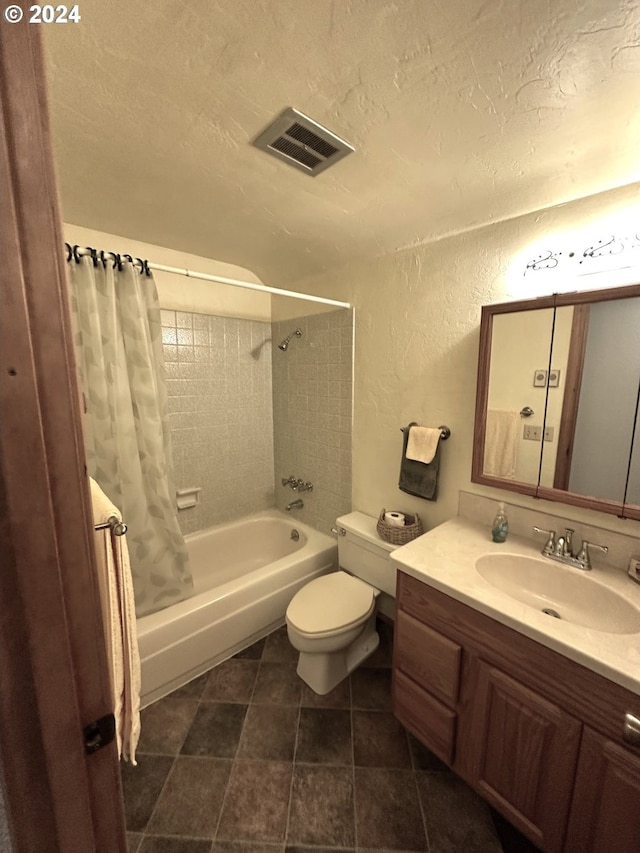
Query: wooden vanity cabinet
[537, 735]
[606, 802]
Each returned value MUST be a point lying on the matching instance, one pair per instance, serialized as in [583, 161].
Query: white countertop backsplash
[622, 546]
[444, 558]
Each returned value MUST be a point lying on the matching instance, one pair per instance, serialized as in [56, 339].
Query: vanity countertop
[445, 558]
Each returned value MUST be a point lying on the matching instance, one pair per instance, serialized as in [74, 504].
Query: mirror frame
[549, 493]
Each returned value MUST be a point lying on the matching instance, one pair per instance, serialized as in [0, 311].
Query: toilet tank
[362, 553]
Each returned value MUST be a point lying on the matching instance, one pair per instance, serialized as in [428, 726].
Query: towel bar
[118, 528]
[445, 432]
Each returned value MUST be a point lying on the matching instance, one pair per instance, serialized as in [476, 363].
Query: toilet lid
[330, 603]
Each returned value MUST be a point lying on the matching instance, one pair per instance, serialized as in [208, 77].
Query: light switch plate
[532, 433]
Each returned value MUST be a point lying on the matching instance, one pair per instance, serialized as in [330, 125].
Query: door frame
[53, 665]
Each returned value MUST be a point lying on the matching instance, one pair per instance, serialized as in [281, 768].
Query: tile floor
[247, 759]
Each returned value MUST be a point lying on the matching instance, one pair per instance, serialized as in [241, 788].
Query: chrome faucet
[561, 549]
[297, 484]
[295, 505]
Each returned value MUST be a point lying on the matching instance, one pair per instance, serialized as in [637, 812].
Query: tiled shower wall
[220, 412]
[312, 413]
[232, 433]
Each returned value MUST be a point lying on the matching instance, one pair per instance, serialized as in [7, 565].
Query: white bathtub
[245, 574]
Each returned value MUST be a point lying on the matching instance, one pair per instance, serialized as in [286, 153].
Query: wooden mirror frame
[482, 395]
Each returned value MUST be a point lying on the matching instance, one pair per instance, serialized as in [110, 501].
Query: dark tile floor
[247, 759]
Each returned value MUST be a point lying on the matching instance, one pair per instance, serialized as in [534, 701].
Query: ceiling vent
[302, 142]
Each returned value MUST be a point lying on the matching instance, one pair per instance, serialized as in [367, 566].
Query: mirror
[557, 399]
[520, 345]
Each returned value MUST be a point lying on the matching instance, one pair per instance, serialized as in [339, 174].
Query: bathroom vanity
[526, 708]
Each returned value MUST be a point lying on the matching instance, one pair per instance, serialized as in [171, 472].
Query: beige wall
[416, 346]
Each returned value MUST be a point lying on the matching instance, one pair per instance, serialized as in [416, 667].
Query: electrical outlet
[532, 433]
[548, 434]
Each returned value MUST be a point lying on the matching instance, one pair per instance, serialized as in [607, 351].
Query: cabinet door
[522, 757]
[605, 813]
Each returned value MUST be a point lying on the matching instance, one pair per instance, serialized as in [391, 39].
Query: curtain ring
[94, 254]
[147, 271]
[141, 262]
[114, 257]
[103, 259]
[69, 251]
[77, 257]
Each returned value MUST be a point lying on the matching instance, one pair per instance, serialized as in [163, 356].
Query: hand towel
[501, 444]
[423, 443]
[119, 619]
[419, 478]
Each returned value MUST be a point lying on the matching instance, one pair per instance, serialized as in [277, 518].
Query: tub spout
[294, 505]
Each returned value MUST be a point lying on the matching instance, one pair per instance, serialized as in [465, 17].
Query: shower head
[284, 346]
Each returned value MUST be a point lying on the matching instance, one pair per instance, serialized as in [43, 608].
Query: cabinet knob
[631, 730]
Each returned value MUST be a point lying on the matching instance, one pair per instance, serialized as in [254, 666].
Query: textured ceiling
[462, 112]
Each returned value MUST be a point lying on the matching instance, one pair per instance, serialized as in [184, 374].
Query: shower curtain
[118, 344]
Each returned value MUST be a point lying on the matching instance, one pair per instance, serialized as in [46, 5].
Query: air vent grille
[311, 140]
[286, 146]
[303, 143]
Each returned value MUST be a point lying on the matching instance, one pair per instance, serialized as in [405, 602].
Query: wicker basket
[411, 529]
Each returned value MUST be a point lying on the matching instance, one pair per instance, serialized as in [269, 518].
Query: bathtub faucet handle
[289, 481]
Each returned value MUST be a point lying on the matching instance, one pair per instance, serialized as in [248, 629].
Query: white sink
[571, 594]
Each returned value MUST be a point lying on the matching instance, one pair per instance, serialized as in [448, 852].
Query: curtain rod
[100, 256]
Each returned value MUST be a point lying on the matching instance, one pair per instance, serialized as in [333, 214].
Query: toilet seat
[330, 605]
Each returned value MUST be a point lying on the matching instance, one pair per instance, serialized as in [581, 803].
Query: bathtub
[245, 573]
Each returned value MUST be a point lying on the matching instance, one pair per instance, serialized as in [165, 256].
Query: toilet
[331, 621]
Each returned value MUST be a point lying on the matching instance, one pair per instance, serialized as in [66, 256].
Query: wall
[417, 333]
[220, 414]
[312, 393]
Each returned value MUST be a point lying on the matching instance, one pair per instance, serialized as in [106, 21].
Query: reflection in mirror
[520, 345]
[597, 415]
[556, 382]
[632, 495]
[581, 379]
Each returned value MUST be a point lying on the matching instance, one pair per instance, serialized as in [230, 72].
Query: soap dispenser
[500, 526]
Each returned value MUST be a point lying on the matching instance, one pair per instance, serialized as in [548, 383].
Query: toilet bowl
[331, 621]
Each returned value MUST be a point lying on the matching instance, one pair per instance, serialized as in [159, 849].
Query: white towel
[501, 444]
[423, 443]
[119, 618]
